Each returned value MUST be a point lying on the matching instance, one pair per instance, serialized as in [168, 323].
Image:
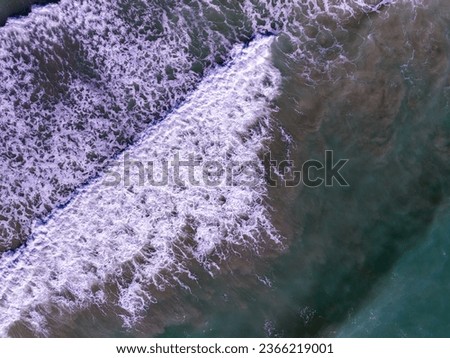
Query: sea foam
[136, 237]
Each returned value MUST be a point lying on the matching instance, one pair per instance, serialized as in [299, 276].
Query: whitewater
[132, 236]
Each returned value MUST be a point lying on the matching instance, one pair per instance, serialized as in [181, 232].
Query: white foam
[86, 245]
[79, 81]
[292, 18]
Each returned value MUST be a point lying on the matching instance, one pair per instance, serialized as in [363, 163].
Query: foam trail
[127, 235]
[81, 79]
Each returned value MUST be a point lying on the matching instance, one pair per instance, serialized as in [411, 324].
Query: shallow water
[368, 82]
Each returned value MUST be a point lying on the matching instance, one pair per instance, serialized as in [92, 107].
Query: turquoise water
[410, 301]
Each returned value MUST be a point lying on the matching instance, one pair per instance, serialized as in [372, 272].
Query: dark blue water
[16, 8]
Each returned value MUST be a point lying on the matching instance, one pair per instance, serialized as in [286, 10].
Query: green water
[412, 300]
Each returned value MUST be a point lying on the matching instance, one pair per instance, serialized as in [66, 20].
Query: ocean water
[16, 8]
[88, 86]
